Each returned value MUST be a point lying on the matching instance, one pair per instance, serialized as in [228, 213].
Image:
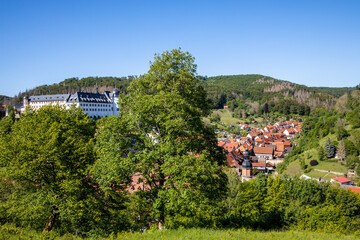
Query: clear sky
[315, 42]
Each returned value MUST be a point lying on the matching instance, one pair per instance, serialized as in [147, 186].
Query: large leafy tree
[44, 170]
[177, 160]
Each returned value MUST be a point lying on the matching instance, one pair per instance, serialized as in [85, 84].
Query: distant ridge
[261, 89]
[221, 89]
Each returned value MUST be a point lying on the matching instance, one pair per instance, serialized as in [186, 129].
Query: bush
[313, 163]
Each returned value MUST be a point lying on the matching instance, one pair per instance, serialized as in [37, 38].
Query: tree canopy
[176, 156]
[44, 167]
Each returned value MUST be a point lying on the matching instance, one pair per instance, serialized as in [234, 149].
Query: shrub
[313, 163]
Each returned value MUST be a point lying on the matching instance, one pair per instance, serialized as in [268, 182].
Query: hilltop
[4, 99]
[259, 89]
[245, 92]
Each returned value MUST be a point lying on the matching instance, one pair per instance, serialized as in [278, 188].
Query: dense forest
[245, 95]
[5, 100]
[256, 94]
[339, 126]
[336, 92]
[155, 166]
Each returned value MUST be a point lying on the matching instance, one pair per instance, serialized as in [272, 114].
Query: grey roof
[89, 97]
[45, 98]
[246, 164]
[115, 92]
[18, 105]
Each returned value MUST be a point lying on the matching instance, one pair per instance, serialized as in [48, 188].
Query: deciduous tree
[44, 165]
[179, 161]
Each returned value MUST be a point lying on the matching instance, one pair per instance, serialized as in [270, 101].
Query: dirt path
[327, 171]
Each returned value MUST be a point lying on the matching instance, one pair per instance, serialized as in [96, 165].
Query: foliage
[13, 233]
[341, 150]
[302, 164]
[329, 148]
[284, 202]
[174, 154]
[352, 161]
[321, 154]
[44, 164]
[313, 163]
[251, 92]
[336, 92]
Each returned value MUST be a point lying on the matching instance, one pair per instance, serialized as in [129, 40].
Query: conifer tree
[329, 148]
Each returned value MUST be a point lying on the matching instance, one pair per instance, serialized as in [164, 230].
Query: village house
[264, 148]
[342, 180]
[264, 153]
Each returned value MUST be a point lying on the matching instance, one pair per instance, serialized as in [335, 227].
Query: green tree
[243, 132]
[266, 108]
[329, 148]
[321, 154]
[341, 150]
[302, 164]
[341, 132]
[7, 122]
[44, 164]
[177, 157]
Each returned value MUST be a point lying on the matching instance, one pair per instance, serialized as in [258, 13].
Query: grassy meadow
[191, 234]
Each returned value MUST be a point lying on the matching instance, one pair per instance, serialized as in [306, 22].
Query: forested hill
[335, 91]
[235, 89]
[5, 100]
[239, 91]
[72, 85]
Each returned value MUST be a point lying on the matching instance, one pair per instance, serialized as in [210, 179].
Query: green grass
[294, 169]
[316, 174]
[227, 118]
[243, 234]
[331, 166]
[195, 234]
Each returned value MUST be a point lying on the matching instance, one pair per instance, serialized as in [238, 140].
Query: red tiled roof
[263, 150]
[270, 164]
[354, 189]
[259, 164]
[231, 146]
[341, 179]
[230, 160]
[287, 144]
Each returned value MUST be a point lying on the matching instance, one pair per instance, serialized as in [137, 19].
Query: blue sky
[315, 43]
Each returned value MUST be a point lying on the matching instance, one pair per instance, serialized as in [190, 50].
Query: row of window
[45, 103]
[94, 105]
[99, 110]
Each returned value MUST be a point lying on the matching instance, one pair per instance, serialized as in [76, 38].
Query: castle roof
[89, 97]
[48, 98]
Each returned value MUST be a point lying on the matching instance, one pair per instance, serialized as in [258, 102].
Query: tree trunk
[50, 222]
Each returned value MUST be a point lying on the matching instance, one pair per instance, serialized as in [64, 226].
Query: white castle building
[96, 105]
